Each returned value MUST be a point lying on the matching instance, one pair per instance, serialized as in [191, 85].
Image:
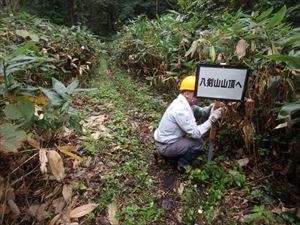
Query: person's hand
[215, 114]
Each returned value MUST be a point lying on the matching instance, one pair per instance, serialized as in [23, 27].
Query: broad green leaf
[291, 40]
[288, 110]
[291, 84]
[27, 108]
[237, 28]
[265, 13]
[73, 111]
[22, 109]
[71, 87]
[23, 49]
[84, 89]
[65, 106]
[10, 137]
[59, 87]
[12, 111]
[74, 123]
[21, 58]
[291, 61]
[273, 85]
[277, 18]
[294, 121]
[19, 66]
[53, 97]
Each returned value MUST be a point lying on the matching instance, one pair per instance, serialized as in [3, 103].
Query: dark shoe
[159, 159]
[184, 168]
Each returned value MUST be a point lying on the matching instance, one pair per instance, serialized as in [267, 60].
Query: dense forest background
[105, 18]
[102, 17]
[83, 85]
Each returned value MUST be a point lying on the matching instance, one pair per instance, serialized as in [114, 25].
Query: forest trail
[123, 176]
[116, 179]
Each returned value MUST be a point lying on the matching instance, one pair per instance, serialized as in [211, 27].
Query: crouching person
[178, 135]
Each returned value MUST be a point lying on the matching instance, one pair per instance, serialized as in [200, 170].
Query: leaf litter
[65, 196]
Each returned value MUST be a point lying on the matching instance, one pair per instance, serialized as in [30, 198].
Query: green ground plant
[261, 39]
[128, 161]
[34, 54]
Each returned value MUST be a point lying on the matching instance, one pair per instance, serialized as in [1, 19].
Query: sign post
[220, 82]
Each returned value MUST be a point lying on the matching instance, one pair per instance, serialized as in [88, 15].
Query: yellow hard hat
[188, 83]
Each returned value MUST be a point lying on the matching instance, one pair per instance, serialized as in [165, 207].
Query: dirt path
[125, 180]
[124, 171]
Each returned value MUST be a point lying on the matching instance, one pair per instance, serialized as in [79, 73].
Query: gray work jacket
[179, 121]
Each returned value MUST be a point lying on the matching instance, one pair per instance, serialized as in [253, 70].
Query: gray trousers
[186, 149]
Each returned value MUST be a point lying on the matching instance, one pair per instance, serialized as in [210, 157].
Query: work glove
[215, 114]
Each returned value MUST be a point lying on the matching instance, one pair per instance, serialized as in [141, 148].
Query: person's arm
[201, 112]
[189, 125]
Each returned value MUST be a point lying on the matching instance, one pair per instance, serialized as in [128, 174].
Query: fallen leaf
[96, 120]
[180, 188]
[13, 207]
[248, 132]
[241, 47]
[243, 162]
[22, 33]
[179, 217]
[82, 210]
[37, 112]
[59, 204]
[34, 37]
[41, 212]
[55, 219]
[56, 190]
[96, 135]
[281, 209]
[33, 143]
[67, 150]
[39, 100]
[56, 165]
[3, 209]
[43, 160]
[112, 210]
[33, 209]
[277, 210]
[67, 192]
[282, 125]
[284, 209]
[66, 132]
[10, 194]
[11, 138]
[104, 131]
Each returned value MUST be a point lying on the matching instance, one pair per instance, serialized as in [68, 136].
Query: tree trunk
[16, 5]
[71, 9]
[4, 5]
[110, 18]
